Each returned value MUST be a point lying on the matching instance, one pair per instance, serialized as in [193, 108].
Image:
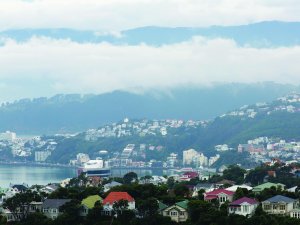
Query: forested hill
[278, 119]
[75, 113]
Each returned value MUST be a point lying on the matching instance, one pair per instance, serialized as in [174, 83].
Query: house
[20, 188]
[295, 213]
[155, 180]
[35, 207]
[264, 186]
[88, 203]
[177, 212]
[292, 189]
[51, 207]
[235, 187]
[48, 189]
[224, 183]
[206, 175]
[189, 175]
[12, 217]
[110, 185]
[243, 206]
[279, 205]
[13, 190]
[113, 197]
[161, 207]
[221, 195]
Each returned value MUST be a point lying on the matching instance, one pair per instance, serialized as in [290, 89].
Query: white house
[114, 197]
[243, 206]
[279, 205]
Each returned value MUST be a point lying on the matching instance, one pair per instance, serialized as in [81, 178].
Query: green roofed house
[161, 207]
[88, 204]
[177, 212]
[264, 186]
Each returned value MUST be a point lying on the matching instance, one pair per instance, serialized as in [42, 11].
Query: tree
[19, 204]
[181, 190]
[120, 206]
[147, 207]
[201, 194]
[234, 173]
[95, 214]
[130, 177]
[70, 212]
[170, 182]
[201, 212]
[241, 192]
[37, 219]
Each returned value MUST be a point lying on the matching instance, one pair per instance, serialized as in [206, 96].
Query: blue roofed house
[51, 207]
[280, 205]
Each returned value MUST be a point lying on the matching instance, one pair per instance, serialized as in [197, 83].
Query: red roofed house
[187, 176]
[243, 206]
[113, 197]
[221, 195]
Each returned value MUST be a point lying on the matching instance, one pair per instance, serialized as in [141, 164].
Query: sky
[45, 66]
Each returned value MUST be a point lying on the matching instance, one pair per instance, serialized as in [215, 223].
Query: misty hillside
[73, 113]
[264, 34]
[278, 119]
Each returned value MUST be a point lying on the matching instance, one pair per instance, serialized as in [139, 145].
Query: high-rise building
[8, 136]
[41, 156]
[188, 156]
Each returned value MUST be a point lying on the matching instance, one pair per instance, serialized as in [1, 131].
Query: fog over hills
[263, 34]
[74, 113]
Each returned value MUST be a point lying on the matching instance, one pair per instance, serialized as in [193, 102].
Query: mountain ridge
[75, 113]
[263, 34]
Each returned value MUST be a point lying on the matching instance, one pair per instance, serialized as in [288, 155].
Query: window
[267, 207]
[174, 213]
[245, 208]
[222, 199]
[181, 213]
[282, 207]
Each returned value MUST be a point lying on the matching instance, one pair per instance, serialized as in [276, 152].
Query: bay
[31, 174]
[18, 174]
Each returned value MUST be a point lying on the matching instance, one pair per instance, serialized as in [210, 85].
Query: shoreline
[35, 164]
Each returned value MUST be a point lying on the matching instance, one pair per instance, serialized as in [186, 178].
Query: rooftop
[117, 196]
[55, 203]
[183, 204]
[219, 191]
[244, 200]
[280, 198]
[91, 200]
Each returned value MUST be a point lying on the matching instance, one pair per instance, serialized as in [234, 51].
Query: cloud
[115, 15]
[44, 67]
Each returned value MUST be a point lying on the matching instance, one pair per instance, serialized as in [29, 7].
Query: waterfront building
[41, 156]
[96, 168]
[8, 136]
[188, 156]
